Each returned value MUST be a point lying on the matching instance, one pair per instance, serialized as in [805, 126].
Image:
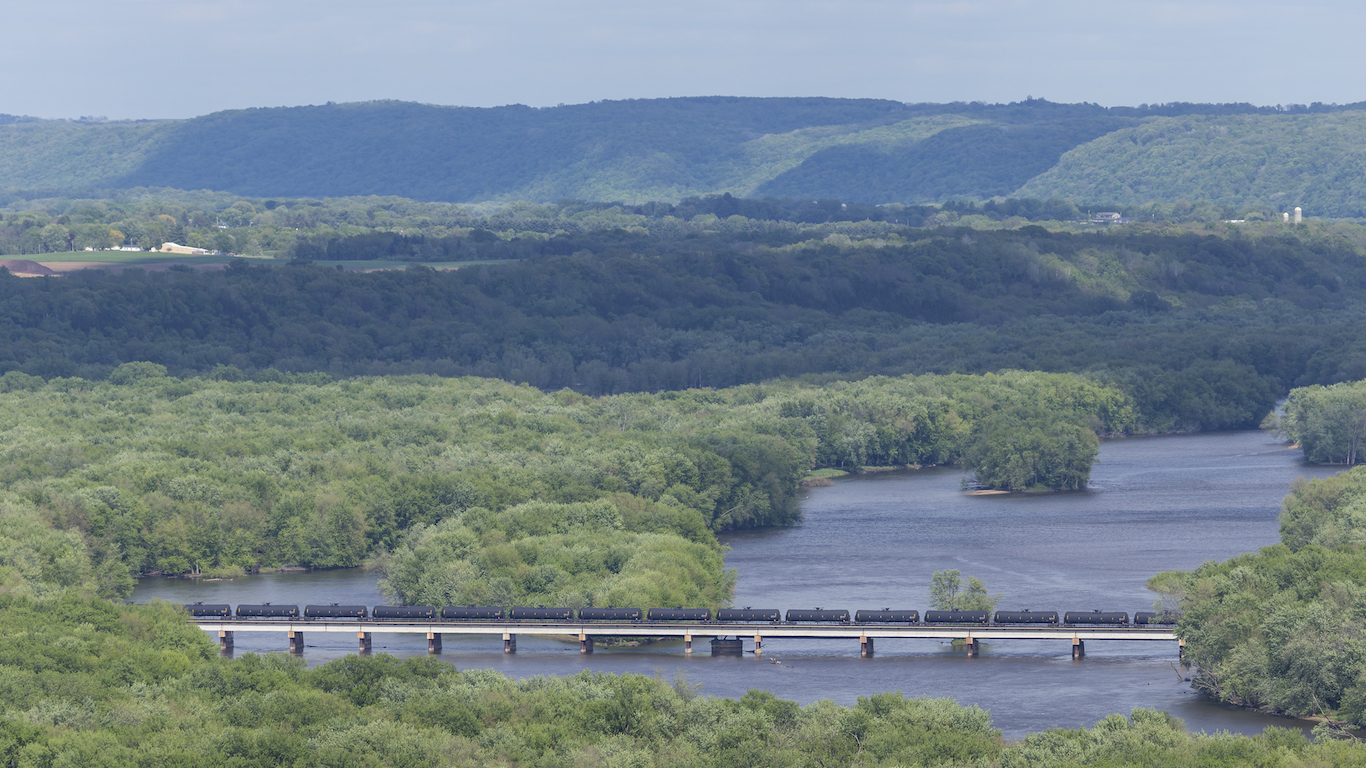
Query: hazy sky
[180, 58]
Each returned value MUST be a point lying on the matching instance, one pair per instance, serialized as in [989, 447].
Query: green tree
[1329, 423]
[948, 594]
[1015, 452]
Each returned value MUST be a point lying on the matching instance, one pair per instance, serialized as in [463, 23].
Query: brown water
[1154, 504]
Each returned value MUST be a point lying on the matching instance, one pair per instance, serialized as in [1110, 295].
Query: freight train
[431, 614]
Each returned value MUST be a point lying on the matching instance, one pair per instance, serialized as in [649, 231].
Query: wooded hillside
[1313, 161]
[858, 150]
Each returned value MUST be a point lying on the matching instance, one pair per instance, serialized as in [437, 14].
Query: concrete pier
[865, 647]
[727, 647]
[585, 643]
[687, 644]
[225, 641]
[433, 642]
[364, 638]
[758, 645]
[509, 643]
[972, 647]
[1078, 648]
[296, 642]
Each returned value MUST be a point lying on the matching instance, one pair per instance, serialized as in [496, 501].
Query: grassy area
[824, 473]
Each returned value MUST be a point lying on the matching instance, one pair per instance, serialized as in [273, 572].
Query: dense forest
[1203, 328]
[859, 150]
[1283, 628]
[479, 491]
[713, 291]
[90, 683]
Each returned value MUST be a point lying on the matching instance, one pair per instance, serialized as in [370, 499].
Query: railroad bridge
[866, 635]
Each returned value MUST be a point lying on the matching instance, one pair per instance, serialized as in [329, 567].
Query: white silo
[1299, 215]
[1285, 217]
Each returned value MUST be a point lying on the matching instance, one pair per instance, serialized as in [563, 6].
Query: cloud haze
[179, 58]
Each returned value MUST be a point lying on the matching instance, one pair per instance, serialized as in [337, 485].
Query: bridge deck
[680, 629]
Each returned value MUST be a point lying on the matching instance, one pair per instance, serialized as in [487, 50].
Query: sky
[125, 59]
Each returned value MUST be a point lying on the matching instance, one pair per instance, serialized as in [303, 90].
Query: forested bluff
[859, 150]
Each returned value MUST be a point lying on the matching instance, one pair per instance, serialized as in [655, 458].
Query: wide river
[1154, 504]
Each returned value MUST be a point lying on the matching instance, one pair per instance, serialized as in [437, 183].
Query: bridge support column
[585, 643]
[509, 643]
[1180, 648]
[758, 646]
[1078, 648]
[865, 647]
[364, 638]
[433, 642]
[687, 644]
[972, 647]
[296, 642]
[225, 640]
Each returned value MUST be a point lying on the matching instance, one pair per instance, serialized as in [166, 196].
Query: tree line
[391, 228]
[468, 490]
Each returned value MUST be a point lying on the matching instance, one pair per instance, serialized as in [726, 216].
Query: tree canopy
[947, 593]
[1282, 628]
[1328, 423]
[466, 490]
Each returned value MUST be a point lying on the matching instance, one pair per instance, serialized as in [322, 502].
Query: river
[1154, 504]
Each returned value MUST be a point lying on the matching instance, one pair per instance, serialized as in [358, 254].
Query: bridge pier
[722, 647]
[225, 641]
[296, 642]
[973, 650]
[433, 642]
[758, 645]
[364, 638]
[509, 643]
[865, 647]
[585, 643]
[1180, 649]
[1078, 648]
[687, 644]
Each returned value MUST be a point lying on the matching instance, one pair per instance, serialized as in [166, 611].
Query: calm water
[1154, 504]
